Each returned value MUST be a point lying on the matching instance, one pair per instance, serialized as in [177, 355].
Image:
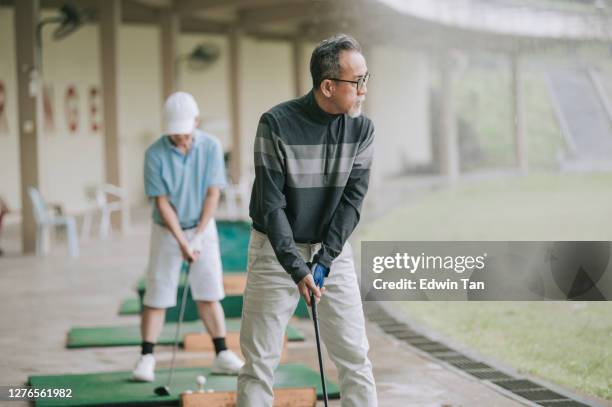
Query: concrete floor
[43, 298]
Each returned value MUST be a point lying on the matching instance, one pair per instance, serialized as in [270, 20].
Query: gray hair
[325, 59]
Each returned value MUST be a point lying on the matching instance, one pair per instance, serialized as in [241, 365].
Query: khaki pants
[270, 300]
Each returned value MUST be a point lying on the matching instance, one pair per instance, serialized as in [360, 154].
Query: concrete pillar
[29, 113]
[110, 20]
[448, 143]
[367, 50]
[170, 26]
[298, 66]
[518, 116]
[235, 166]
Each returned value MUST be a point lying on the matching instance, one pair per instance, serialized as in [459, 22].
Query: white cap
[180, 112]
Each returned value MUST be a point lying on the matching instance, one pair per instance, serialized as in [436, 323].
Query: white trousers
[270, 298]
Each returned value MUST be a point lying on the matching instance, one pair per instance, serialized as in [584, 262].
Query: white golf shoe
[145, 369]
[227, 362]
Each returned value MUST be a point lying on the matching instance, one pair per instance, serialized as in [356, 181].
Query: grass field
[569, 343]
[564, 342]
[537, 207]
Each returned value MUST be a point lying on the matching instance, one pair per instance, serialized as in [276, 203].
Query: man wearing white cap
[184, 173]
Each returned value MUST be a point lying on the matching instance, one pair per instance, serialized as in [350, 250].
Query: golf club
[165, 390]
[315, 319]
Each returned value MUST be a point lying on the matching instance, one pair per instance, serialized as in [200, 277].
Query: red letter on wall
[3, 121]
[71, 104]
[94, 109]
[48, 108]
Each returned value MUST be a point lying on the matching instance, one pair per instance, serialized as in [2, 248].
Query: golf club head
[162, 391]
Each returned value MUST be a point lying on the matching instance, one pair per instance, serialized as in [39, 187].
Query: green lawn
[569, 343]
[537, 207]
[564, 342]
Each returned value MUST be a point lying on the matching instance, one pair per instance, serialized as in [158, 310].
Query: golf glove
[196, 242]
[319, 272]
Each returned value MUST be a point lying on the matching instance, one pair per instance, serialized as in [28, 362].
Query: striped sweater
[311, 175]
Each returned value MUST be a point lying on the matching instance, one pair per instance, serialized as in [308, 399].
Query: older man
[312, 165]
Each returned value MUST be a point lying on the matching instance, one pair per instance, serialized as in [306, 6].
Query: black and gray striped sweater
[311, 175]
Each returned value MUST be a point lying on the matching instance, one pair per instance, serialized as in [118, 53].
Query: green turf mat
[129, 306]
[231, 306]
[234, 243]
[129, 335]
[97, 389]
[301, 311]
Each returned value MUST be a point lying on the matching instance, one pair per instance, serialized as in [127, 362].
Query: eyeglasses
[361, 82]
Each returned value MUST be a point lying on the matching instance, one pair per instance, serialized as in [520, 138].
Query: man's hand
[306, 286]
[319, 272]
[188, 254]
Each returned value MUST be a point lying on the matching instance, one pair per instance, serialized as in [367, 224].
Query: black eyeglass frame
[361, 82]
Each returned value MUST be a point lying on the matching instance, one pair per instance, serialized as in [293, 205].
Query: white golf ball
[201, 380]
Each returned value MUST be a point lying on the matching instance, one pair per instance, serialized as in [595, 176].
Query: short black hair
[325, 59]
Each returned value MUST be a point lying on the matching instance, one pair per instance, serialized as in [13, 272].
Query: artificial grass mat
[234, 243]
[115, 388]
[129, 335]
[232, 306]
[130, 306]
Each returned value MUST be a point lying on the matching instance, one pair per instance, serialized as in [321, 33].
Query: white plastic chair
[237, 199]
[44, 220]
[119, 202]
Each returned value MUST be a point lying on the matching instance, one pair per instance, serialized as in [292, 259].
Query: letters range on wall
[71, 110]
[4, 127]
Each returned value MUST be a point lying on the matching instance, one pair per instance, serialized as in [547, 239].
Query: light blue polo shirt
[185, 179]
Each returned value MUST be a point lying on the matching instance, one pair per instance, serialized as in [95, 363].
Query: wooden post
[298, 67]
[235, 167]
[518, 122]
[28, 95]
[448, 143]
[367, 48]
[169, 29]
[110, 20]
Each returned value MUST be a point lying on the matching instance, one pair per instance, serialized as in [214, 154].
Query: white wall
[140, 98]
[208, 86]
[266, 80]
[398, 103]
[71, 161]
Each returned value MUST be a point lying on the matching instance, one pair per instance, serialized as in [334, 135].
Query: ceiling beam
[135, 12]
[201, 25]
[256, 17]
[157, 3]
[189, 6]
[59, 3]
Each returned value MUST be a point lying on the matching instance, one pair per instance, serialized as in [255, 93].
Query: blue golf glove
[319, 272]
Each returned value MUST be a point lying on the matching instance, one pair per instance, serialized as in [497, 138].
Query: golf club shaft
[186, 267]
[315, 319]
